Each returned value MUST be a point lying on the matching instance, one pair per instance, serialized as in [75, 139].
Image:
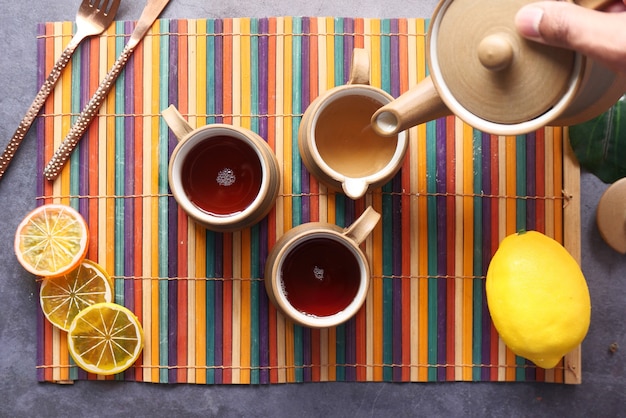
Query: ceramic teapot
[484, 72]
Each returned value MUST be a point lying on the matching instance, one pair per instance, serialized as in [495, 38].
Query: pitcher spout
[418, 105]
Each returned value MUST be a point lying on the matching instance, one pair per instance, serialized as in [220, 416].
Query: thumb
[599, 35]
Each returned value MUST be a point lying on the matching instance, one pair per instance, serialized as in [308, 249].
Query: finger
[599, 35]
[615, 7]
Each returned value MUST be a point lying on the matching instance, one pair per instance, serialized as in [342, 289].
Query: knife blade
[149, 15]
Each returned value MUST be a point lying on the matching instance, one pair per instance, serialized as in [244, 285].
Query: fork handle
[63, 153]
[35, 107]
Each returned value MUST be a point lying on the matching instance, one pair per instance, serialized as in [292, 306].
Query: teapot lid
[484, 69]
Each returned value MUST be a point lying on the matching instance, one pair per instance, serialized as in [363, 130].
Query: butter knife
[150, 13]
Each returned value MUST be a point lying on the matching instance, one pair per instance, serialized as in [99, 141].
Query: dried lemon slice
[51, 240]
[105, 338]
[63, 297]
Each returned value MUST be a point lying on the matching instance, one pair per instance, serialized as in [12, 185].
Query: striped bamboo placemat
[200, 295]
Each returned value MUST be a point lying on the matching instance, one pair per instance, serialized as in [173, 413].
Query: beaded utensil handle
[35, 107]
[63, 153]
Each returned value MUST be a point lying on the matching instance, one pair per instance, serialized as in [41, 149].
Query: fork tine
[110, 6]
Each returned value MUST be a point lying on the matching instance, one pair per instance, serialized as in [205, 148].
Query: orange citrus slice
[51, 240]
[63, 297]
[105, 338]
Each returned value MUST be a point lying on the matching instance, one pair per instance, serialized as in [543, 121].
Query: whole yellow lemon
[538, 298]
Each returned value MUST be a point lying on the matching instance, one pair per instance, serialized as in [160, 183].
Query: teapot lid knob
[495, 52]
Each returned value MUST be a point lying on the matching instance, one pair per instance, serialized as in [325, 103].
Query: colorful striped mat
[200, 295]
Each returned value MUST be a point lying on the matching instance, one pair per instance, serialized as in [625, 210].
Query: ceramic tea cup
[317, 275]
[337, 143]
[225, 177]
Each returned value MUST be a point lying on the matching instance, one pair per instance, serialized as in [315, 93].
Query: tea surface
[346, 140]
[320, 277]
[222, 176]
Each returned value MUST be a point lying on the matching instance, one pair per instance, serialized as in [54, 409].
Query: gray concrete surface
[602, 394]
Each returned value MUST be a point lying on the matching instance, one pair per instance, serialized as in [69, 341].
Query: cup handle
[360, 68]
[176, 122]
[362, 227]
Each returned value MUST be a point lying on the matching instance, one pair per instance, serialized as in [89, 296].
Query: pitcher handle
[360, 68]
[362, 227]
[176, 122]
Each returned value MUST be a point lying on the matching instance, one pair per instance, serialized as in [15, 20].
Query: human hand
[600, 35]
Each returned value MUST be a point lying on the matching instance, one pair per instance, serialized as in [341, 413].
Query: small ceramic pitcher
[317, 275]
[337, 143]
[225, 177]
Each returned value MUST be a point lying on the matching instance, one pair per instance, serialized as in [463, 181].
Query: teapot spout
[420, 104]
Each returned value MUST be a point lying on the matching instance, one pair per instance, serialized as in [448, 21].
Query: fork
[150, 13]
[92, 18]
